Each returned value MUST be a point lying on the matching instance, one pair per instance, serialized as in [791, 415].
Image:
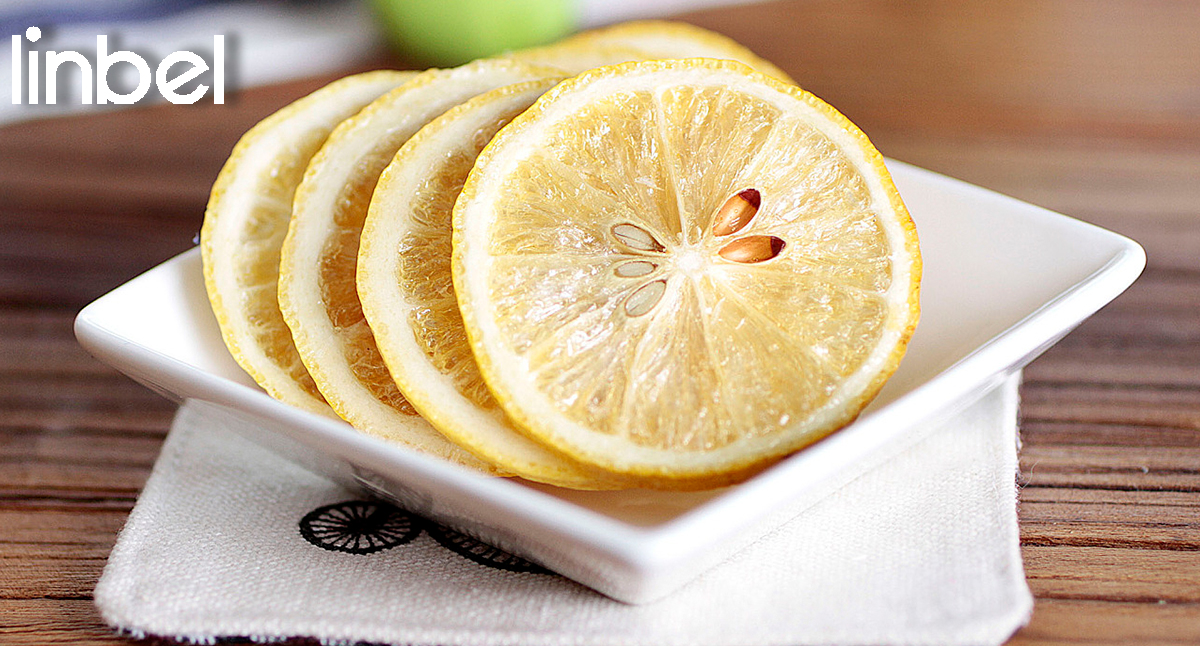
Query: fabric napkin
[230, 540]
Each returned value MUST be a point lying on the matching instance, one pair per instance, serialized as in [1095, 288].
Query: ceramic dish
[1003, 281]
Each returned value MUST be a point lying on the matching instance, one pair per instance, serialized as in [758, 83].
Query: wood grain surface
[1091, 109]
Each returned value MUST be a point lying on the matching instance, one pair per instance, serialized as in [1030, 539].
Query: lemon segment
[614, 320]
[406, 289]
[245, 224]
[660, 39]
[317, 284]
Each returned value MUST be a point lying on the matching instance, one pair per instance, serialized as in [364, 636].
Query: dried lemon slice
[404, 282]
[668, 39]
[574, 58]
[245, 223]
[683, 269]
[317, 293]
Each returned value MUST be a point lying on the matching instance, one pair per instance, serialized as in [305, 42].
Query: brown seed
[752, 249]
[737, 212]
[636, 237]
[645, 298]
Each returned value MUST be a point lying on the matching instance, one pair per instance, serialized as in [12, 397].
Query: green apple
[451, 32]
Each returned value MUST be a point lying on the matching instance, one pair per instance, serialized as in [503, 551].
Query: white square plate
[1003, 281]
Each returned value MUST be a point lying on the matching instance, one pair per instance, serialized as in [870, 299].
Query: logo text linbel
[94, 75]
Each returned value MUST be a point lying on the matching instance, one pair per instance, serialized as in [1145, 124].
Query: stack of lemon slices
[641, 257]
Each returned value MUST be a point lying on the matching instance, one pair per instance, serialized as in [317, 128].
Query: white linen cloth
[921, 550]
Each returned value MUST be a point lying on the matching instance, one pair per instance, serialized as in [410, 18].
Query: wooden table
[1092, 109]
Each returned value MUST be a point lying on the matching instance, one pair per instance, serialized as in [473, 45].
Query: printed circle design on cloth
[359, 527]
[370, 526]
[481, 552]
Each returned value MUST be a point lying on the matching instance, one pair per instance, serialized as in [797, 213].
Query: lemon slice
[405, 284]
[573, 58]
[317, 292]
[245, 223]
[668, 39]
[683, 269]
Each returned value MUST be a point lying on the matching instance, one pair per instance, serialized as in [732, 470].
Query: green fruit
[452, 32]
